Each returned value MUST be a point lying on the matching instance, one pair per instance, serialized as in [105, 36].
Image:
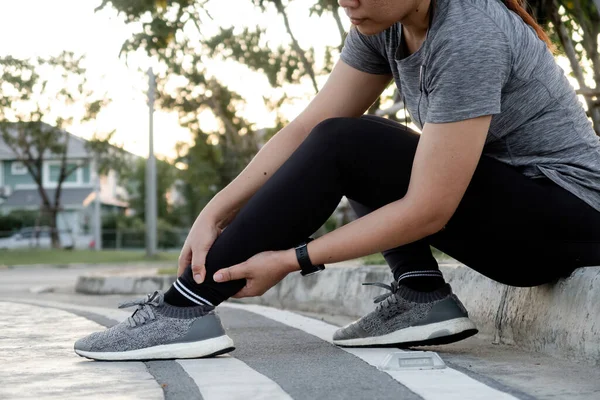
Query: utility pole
[151, 212]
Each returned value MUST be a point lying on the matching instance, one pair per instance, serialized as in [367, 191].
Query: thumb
[198, 268]
[232, 273]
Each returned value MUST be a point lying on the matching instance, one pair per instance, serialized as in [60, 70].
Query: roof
[31, 197]
[77, 146]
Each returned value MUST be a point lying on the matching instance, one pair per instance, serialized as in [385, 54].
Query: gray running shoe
[429, 318]
[157, 330]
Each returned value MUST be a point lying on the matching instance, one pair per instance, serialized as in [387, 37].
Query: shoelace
[386, 299]
[144, 312]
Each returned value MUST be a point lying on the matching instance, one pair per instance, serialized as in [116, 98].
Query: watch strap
[306, 265]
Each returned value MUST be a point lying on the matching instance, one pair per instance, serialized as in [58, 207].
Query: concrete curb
[561, 319]
[97, 284]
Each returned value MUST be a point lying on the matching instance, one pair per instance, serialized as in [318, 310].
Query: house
[18, 189]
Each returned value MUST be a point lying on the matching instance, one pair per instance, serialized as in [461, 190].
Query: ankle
[422, 281]
[182, 295]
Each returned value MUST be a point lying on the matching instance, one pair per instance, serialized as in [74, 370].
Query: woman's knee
[331, 128]
[345, 130]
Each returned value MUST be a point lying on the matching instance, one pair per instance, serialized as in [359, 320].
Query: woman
[505, 178]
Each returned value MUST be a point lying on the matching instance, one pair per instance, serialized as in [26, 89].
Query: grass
[65, 257]
[167, 271]
[373, 259]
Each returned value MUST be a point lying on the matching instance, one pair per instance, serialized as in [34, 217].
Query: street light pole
[151, 212]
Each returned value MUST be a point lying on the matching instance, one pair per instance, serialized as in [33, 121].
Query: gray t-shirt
[480, 58]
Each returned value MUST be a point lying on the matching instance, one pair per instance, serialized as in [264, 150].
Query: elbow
[433, 226]
[435, 222]
[431, 216]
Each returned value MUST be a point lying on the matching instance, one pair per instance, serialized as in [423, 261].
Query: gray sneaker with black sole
[428, 318]
[157, 331]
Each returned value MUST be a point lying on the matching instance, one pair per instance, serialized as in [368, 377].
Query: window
[18, 168]
[54, 172]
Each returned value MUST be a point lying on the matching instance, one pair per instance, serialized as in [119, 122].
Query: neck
[416, 23]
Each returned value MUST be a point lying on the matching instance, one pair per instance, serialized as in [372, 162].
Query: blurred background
[121, 119]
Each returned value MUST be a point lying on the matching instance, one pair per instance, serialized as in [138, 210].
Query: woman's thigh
[520, 231]
[512, 228]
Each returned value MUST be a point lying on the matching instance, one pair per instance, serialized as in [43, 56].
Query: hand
[262, 272]
[199, 240]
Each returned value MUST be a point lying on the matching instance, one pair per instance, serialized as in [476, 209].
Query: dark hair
[518, 6]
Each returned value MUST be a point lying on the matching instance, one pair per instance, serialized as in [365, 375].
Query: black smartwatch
[307, 268]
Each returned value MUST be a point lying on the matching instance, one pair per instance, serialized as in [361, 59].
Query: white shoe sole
[203, 348]
[416, 334]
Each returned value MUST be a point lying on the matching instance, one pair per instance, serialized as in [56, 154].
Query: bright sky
[33, 28]
[40, 28]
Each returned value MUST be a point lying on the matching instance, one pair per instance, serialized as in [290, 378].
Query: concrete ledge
[123, 281]
[561, 319]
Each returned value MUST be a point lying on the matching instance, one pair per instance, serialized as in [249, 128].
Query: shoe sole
[204, 348]
[438, 333]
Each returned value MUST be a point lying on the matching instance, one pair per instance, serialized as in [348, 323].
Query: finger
[198, 268]
[198, 272]
[184, 259]
[232, 273]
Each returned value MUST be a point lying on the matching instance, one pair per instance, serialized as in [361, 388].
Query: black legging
[513, 229]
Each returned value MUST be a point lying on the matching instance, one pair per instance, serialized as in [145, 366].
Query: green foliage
[130, 232]
[17, 219]
[171, 32]
[280, 66]
[581, 21]
[135, 183]
[38, 99]
[202, 178]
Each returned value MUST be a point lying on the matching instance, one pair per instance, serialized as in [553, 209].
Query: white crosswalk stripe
[214, 378]
[444, 384]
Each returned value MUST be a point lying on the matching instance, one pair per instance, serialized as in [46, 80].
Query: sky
[31, 28]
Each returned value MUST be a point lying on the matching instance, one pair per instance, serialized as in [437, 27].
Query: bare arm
[347, 93]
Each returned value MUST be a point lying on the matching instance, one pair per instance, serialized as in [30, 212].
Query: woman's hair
[518, 7]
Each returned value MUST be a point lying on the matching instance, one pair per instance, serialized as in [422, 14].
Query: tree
[135, 179]
[201, 179]
[39, 98]
[575, 28]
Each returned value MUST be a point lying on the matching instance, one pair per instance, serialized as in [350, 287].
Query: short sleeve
[466, 73]
[365, 53]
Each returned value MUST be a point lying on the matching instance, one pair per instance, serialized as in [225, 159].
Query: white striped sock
[433, 274]
[190, 295]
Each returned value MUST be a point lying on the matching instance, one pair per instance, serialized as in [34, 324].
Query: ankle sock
[423, 281]
[417, 296]
[183, 292]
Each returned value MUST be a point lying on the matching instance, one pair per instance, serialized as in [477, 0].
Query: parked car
[39, 237]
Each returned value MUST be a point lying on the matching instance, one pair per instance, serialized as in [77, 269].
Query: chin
[371, 29]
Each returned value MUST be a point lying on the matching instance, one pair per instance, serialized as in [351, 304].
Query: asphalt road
[279, 355]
